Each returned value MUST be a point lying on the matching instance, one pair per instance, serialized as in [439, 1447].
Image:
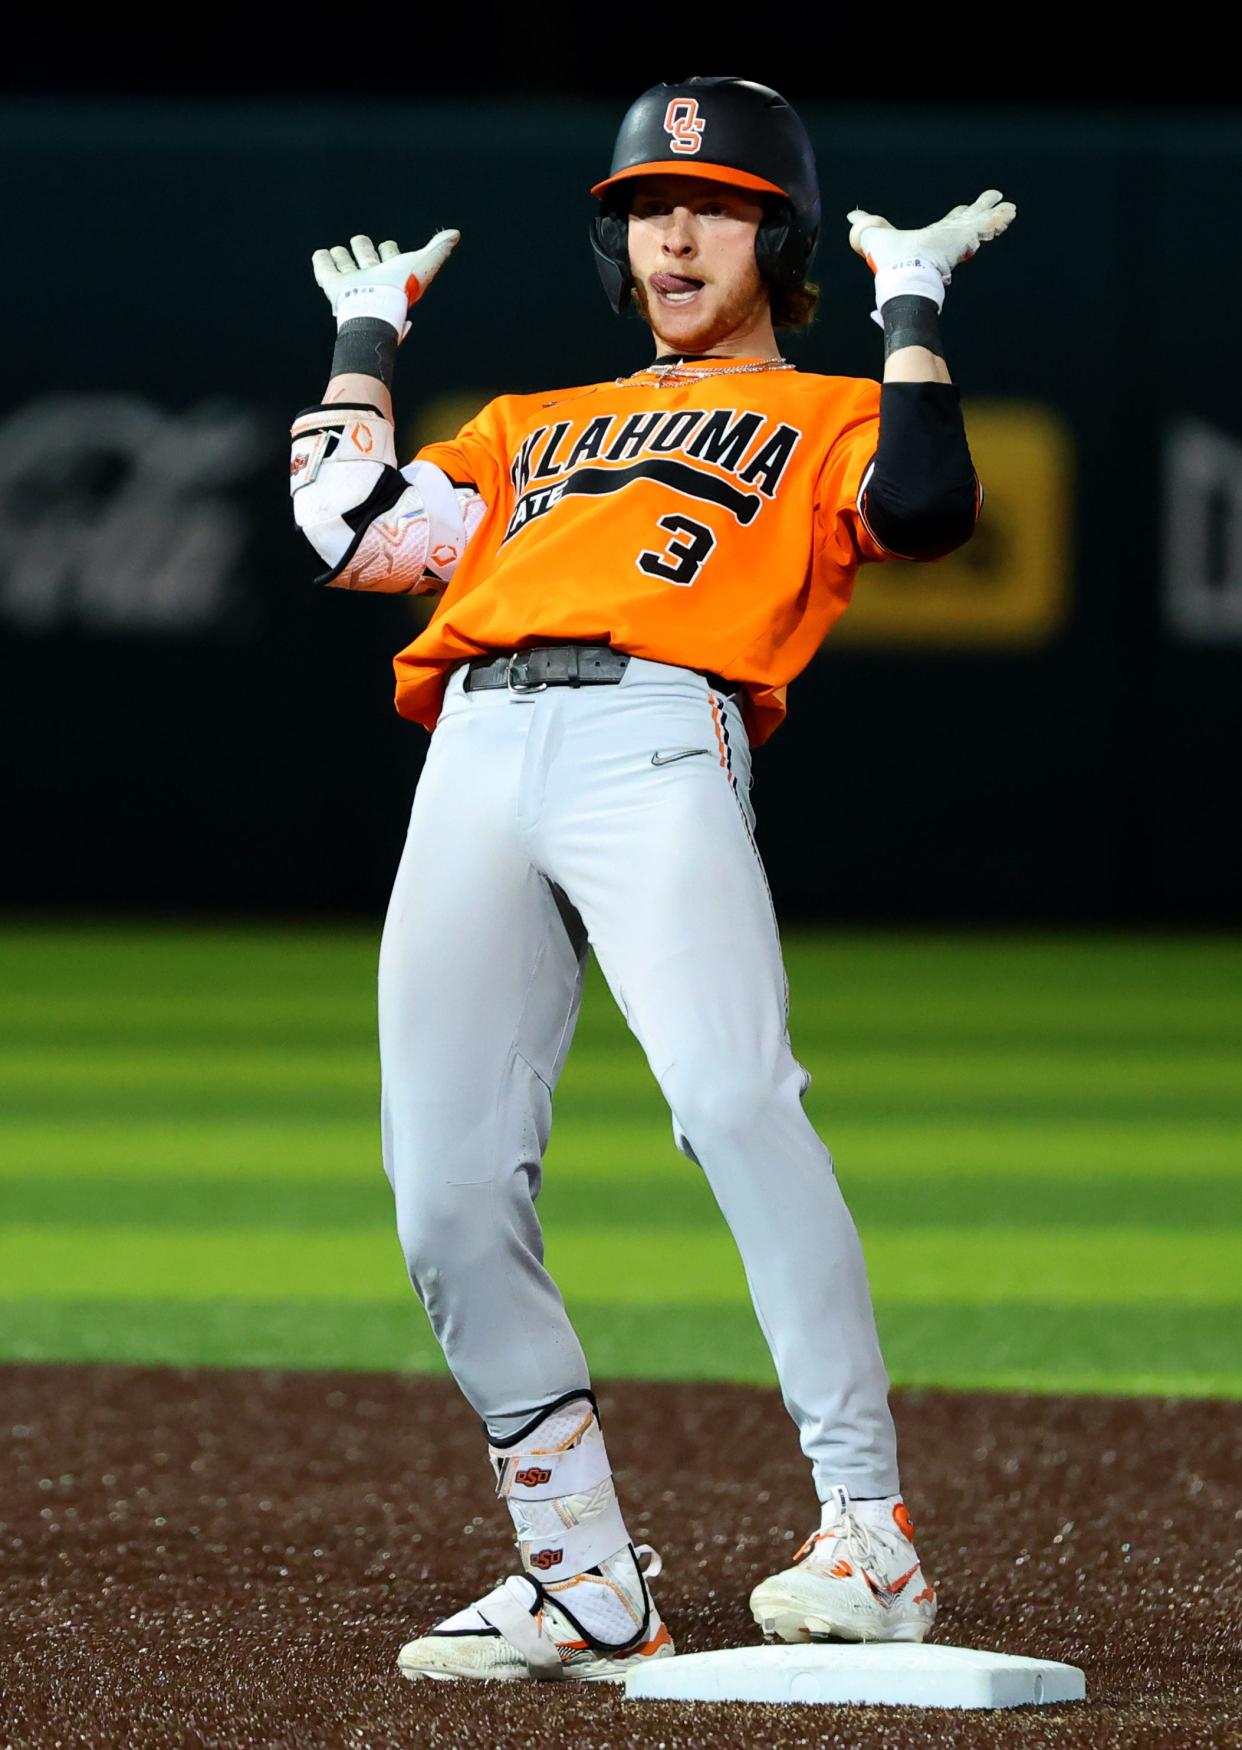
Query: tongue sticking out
[674, 282]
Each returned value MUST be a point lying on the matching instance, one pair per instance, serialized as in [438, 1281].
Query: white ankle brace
[555, 1477]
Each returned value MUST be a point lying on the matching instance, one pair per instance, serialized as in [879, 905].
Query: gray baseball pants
[541, 822]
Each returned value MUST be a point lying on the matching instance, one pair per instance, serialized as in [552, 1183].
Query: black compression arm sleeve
[922, 496]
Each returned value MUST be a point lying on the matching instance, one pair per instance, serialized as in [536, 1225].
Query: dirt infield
[234, 1558]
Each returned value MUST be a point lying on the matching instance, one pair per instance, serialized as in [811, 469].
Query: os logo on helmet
[684, 125]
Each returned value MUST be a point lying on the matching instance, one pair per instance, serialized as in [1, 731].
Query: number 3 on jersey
[682, 559]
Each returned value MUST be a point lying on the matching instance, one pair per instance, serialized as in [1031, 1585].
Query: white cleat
[592, 1628]
[857, 1578]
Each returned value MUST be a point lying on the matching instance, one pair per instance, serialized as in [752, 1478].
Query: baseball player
[632, 573]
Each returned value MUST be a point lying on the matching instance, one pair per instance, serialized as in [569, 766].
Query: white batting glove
[922, 262]
[386, 282]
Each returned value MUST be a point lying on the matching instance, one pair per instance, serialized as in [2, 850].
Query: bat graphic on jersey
[595, 482]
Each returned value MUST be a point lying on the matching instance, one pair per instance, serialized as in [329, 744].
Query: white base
[882, 1675]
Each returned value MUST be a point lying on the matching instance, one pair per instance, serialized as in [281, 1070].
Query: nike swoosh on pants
[666, 756]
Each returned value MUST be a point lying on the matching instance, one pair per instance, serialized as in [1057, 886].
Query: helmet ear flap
[783, 248]
[610, 239]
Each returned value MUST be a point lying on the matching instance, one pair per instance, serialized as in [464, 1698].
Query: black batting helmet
[723, 130]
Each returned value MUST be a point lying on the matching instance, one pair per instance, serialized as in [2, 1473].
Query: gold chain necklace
[669, 376]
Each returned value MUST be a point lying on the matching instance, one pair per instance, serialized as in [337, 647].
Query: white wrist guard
[915, 276]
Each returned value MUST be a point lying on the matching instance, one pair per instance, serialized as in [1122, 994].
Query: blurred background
[1009, 889]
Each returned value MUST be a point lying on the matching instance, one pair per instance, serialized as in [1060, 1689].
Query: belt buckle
[517, 687]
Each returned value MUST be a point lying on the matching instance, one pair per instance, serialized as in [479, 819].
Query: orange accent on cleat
[841, 1570]
[886, 1594]
[661, 1638]
[926, 1596]
[903, 1521]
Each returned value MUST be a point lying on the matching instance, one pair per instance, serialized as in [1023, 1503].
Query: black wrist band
[366, 345]
[911, 321]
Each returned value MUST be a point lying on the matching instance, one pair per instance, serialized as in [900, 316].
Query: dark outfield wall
[1046, 726]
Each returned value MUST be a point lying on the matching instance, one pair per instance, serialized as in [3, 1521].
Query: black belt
[558, 665]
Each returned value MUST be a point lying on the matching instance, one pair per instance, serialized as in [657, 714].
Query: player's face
[692, 254]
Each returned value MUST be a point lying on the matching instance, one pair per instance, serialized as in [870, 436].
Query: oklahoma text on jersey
[711, 524]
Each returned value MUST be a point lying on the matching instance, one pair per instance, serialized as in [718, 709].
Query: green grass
[1040, 1139]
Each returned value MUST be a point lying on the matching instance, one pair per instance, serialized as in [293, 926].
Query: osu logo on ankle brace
[547, 1558]
[532, 1477]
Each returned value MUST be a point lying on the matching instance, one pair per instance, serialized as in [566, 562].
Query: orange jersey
[711, 524]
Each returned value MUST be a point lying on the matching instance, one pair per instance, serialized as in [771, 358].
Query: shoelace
[845, 1529]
